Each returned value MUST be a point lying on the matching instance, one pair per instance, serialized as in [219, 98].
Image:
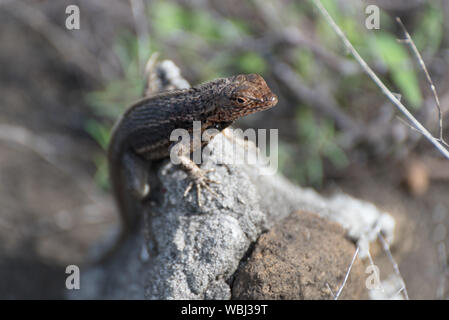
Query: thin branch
[67, 46]
[407, 124]
[141, 25]
[293, 35]
[347, 274]
[398, 292]
[386, 248]
[47, 152]
[443, 263]
[322, 101]
[332, 293]
[379, 83]
[412, 45]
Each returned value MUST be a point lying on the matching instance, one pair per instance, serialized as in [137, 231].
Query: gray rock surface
[195, 251]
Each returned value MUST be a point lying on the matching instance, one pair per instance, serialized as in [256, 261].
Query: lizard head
[244, 94]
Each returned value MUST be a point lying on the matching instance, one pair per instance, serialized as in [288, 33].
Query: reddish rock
[297, 258]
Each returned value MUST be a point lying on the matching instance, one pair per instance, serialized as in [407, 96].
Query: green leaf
[307, 128]
[101, 175]
[429, 32]
[99, 132]
[202, 24]
[395, 57]
[332, 7]
[252, 62]
[314, 167]
[304, 63]
[167, 17]
[336, 155]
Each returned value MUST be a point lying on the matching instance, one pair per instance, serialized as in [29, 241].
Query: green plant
[109, 102]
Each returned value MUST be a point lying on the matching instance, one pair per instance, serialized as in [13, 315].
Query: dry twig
[412, 45]
[322, 101]
[141, 26]
[379, 83]
[67, 46]
[347, 274]
[386, 248]
[49, 153]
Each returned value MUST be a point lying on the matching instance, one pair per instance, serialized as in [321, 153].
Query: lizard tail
[127, 201]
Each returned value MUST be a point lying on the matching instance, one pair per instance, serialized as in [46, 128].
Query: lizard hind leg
[136, 175]
[135, 189]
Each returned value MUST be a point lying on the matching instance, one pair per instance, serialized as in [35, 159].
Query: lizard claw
[201, 181]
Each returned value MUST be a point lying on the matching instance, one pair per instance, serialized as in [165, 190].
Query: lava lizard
[142, 135]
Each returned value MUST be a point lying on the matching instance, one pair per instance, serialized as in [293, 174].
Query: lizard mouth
[267, 102]
[271, 100]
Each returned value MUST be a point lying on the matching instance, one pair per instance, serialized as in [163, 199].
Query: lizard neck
[202, 101]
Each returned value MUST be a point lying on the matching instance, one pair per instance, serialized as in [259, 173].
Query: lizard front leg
[198, 176]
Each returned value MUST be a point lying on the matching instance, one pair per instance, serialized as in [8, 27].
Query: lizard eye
[240, 100]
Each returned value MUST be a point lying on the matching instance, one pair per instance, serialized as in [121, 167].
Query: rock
[416, 177]
[298, 259]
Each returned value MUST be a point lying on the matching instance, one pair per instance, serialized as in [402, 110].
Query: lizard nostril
[272, 98]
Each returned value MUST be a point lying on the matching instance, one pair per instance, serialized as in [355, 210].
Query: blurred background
[62, 90]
